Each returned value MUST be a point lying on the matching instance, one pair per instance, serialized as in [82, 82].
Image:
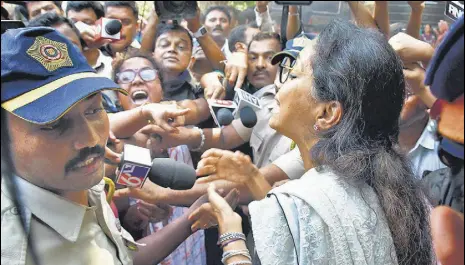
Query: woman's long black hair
[358, 68]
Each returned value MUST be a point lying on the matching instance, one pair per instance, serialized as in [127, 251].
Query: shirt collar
[265, 91]
[426, 140]
[62, 215]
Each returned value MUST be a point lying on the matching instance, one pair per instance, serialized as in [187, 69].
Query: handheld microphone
[136, 166]
[169, 173]
[247, 105]
[104, 28]
[222, 111]
[248, 117]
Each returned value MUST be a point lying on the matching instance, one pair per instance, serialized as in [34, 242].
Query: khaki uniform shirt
[63, 232]
[266, 143]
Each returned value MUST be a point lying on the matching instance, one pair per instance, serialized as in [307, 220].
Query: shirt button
[14, 211]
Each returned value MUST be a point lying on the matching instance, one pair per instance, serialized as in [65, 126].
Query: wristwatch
[201, 32]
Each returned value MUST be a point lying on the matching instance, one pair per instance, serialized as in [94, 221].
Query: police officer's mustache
[218, 28]
[84, 155]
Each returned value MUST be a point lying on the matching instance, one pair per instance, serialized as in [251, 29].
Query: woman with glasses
[359, 202]
[138, 74]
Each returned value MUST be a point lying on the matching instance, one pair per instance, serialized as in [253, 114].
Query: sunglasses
[285, 68]
[127, 76]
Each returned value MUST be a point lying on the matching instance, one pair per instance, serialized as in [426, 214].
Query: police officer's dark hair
[135, 54]
[217, 8]
[165, 28]
[81, 5]
[129, 4]
[51, 19]
[265, 36]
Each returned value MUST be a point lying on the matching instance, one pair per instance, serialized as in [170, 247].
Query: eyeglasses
[285, 68]
[127, 76]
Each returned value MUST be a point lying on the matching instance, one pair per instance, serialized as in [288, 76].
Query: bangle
[202, 141]
[232, 253]
[242, 262]
[229, 236]
[229, 242]
[293, 14]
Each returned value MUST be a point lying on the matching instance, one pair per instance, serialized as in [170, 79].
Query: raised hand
[150, 192]
[236, 68]
[213, 87]
[222, 164]
[410, 49]
[219, 211]
[167, 116]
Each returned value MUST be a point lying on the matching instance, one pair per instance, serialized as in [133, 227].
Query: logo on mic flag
[133, 175]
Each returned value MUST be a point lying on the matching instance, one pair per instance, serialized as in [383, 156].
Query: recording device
[12, 24]
[136, 165]
[105, 28]
[247, 105]
[175, 10]
[225, 111]
[222, 111]
[454, 9]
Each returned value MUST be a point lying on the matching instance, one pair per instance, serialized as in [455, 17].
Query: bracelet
[229, 242]
[202, 142]
[293, 14]
[149, 121]
[232, 253]
[229, 236]
[242, 262]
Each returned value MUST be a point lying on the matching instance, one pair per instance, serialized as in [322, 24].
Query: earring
[316, 127]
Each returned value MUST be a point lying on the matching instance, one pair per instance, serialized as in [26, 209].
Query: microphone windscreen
[224, 116]
[169, 173]
[248, 117]
[113, 26]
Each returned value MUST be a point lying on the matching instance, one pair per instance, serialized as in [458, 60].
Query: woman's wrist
[258, 186]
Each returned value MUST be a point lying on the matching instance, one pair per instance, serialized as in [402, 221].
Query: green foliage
[241, 5]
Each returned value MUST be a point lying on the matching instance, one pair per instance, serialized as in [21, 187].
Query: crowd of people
[356, 156]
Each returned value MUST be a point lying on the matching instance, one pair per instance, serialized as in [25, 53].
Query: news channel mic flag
[44, 75]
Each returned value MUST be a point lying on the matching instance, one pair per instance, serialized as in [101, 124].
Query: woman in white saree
[358, 203]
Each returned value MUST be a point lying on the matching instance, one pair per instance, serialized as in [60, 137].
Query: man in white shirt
[217, 21]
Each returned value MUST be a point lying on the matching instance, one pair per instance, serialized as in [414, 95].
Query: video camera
[175, 10]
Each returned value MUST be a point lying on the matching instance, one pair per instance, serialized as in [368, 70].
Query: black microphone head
[224, 116]
[113, 26]
[169, 173]
[248, 117]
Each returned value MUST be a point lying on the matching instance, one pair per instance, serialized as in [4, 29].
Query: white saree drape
[333, 221]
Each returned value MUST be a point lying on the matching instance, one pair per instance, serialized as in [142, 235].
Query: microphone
[104, 28]
[247, 105]
[113, 27]
[136, 166]
[222, 111]
[169, 173]
[224, 116]
[248, 117]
